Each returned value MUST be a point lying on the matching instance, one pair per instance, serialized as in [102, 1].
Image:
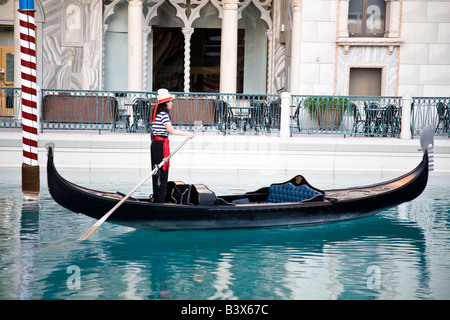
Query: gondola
[195, 206]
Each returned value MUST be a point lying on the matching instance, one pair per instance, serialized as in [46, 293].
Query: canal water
[401, 253]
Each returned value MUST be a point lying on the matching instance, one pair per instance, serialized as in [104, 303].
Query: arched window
[71, 24]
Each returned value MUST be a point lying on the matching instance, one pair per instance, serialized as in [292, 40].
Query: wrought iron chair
[373, 119]
[224, 115]
[357, 119]
[257, 115]
[390, 121]
[442, 111]
[120, 116]
[141, 111]
[273, 114]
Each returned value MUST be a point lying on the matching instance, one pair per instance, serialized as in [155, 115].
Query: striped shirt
[158, 127]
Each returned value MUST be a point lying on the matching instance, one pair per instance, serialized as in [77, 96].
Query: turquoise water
[402, 253]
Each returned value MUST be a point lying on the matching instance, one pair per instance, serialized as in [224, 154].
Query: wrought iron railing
[244, 113]
[93, 110]
[10, 107]
[229, 113]
[346, 115]
[430, 111]
[130, 111]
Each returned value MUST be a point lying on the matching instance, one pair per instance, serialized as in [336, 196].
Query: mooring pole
[30, 165]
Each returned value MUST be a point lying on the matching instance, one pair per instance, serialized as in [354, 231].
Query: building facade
[312, 47]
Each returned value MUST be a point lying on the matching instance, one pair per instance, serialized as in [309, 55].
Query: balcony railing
[230, 113]
[434, 111]
[346, 115]
[10, 107]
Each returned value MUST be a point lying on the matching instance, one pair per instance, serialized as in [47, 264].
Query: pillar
[17, 79]
[405, 131]
[30, 165]
[285, 115]
[187, 57]
[228, 50]
[294, 79]
[135, 46]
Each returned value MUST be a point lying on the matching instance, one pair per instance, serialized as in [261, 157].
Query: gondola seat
[197, 194]
[288, 192]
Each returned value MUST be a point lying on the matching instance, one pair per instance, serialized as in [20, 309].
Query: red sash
[166, 150]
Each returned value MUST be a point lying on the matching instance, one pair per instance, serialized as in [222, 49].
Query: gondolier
[159, 149]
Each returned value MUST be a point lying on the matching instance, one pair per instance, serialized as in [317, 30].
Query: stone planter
[330, 118]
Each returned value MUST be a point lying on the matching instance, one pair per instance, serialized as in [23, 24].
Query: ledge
[390, 43]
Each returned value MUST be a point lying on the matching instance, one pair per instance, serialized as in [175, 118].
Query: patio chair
[120, 116]
[357, 119]
[372, 123]
[257, 119]
[390, 121]
[141, 111]
[224, 114]
[273, 114]
[442, 111]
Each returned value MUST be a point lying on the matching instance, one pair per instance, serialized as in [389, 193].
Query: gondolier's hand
[181, 133]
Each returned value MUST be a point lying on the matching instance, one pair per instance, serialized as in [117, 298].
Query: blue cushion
[290, 193]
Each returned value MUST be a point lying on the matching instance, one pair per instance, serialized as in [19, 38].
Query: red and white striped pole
[30, 166]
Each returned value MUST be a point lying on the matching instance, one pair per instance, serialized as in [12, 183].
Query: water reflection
[19, 230]
[29, 233]
[398, 254]
[224, 278]
[286, 263]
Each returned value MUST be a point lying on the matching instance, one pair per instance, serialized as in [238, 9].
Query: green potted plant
[327, 110]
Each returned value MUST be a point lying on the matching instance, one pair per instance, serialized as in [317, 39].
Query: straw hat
[163, 95]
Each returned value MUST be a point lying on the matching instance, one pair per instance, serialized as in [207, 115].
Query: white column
[187, 57]
[17, 65]
[270, 83]
[228, 50]
[146, 31]
[294, 80]
[135, 52]
[285, 115]
[405, 131]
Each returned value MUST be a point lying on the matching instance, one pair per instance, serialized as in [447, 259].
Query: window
[364, 78]
[205, 60]
[366, 18]
[365, 81]
[168, 59]
[71, 24]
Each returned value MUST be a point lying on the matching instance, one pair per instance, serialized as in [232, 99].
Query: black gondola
[292, 203]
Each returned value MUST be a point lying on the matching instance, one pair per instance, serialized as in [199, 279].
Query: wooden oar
[92, 229]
